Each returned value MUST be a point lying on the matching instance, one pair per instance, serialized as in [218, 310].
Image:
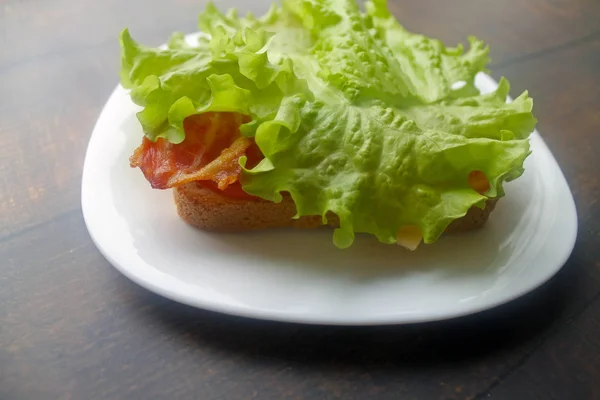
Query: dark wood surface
[72, 327]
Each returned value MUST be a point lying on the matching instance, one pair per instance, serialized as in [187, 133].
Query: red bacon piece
[210, 152]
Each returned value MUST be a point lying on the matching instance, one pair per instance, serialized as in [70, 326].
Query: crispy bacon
[211, 151]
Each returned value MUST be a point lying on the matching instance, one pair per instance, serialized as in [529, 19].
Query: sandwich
[319, 114]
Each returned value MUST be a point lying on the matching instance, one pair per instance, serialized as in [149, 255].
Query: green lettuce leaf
[355, 115]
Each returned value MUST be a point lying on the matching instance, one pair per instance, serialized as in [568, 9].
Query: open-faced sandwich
[320, 114]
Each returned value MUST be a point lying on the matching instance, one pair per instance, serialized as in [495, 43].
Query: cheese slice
[409, 237]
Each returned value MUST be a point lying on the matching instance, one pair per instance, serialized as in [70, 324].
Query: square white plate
[299, 276]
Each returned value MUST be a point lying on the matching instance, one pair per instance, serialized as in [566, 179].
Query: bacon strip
[223, 170]
[210, 152]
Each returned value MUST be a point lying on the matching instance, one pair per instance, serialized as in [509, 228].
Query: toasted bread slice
[209, 210]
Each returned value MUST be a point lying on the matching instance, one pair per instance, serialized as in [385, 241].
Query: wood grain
[570, 361]
[44, 133]
[72, 327]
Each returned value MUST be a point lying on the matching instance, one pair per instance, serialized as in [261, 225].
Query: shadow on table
[514, 326]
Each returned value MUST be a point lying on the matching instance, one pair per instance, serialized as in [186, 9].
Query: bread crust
[211, 211]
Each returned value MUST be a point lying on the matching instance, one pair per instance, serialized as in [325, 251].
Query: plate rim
[148, 282]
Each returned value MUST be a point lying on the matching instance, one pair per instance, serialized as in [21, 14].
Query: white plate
[300, 276]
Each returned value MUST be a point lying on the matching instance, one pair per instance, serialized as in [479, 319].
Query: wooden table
[72, 327]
